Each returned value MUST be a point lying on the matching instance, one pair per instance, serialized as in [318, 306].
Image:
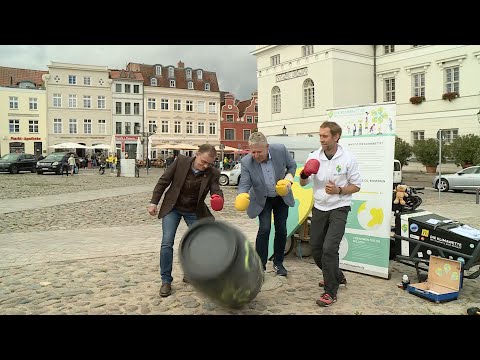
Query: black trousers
[326, 232]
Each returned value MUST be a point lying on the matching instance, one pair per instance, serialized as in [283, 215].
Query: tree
[464, 149]
[403, 151]
[426, 151]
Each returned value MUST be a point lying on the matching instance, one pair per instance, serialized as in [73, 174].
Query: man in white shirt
[333, 187]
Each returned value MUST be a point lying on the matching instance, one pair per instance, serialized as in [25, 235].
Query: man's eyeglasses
[206, 163]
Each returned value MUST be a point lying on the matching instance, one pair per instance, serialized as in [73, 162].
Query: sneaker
[165, 290]
[343, 282]
[326, 300]
[280, 269]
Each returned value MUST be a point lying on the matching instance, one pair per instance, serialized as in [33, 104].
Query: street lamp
[284, 130]
[478, 116]
[146, 134]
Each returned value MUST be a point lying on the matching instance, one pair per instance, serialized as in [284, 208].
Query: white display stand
[127, 167]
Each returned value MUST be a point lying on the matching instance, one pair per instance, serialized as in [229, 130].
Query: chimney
[180, 64]
[133, 67]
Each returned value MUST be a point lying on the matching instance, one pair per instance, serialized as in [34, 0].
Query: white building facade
[298, 83]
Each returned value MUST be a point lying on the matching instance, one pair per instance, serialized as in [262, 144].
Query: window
[87, 101]
[418, 135]
[171, 72]
[188, 73]
[450, 135]
[136, 108]
[32, 104]
[152, 126]
[229, 134]
[389, 49]
[152, 104]
[212, 107]
[172, 83]
[207, 87]
[308, 94]
[72, 126]
[307, 50]
[256, 108]
[229, 118]
[101, 102]
[246, 134]
[14, 126]
[190, 85]
[249, 119]
[118, 127]
[199, 74]
[165, 126]
[128, 128]
[418, 84]
[389, 87]
[189, 105]
[276, 100]
[136, 128]
[177, 129]
[201, 107]
[118, 88]
[13, 102]
[201, 128]
[153, 82]
[158, 70]
[102, 127]
[164, 104]
[275, 60]
[72, 79]
[57, 126]
[57, 100]
[213, 128]
[177, 105]
[128, 108]
[136, 89]
[87, 81]
[87, 126]
[189, 126]
[255, 119]
[72, 101]
[118, 107]
[452, 79]
[127, 88]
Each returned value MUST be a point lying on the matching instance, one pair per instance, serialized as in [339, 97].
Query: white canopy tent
[69, 145]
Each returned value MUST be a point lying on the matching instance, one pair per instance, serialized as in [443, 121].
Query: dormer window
[171, 72]
[207, 87]
[153, 82]
[199, 74]
[172, 83]
[190, 85]
[188, 73]
[158, 70]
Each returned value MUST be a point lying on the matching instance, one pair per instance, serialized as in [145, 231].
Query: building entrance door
[37, 149]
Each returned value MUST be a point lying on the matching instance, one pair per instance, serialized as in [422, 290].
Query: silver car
[231, 177]
[465, 179]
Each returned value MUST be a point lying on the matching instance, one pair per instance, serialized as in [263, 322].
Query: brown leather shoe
[165, 290]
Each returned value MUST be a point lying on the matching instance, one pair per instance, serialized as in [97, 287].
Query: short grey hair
[257, 138]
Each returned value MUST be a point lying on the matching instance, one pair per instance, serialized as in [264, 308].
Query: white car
[231, 177]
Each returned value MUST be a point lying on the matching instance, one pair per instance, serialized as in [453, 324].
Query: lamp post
[146, 135]
[284, 131]
[478, 116]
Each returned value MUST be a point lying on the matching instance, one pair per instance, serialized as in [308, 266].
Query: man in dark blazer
[265, 186]
[190, 179]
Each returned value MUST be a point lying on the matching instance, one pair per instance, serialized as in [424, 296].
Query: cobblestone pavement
[97, 253]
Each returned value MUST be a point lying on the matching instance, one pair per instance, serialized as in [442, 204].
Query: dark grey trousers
[326, 232]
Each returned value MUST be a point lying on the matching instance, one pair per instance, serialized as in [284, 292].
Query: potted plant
[426, 151]
[464, 148]
[450, 95]
[403, 150]
[417, 99]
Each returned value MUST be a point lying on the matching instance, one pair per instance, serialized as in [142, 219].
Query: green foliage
[403, 150]
[464, 149]
[426, 151]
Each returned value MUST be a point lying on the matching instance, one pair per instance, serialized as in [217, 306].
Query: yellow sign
[425, 232]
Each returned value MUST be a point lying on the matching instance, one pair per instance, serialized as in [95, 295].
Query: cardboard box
[443, 283]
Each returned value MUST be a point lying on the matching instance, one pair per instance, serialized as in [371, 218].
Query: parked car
[53, 162]
[231, 177]
[465, 179]
[14, 163]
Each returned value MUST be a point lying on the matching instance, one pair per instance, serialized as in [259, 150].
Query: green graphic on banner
[366, 249]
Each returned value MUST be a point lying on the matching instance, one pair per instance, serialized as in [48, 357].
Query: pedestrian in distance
[335, 175]
[189, 180]
[265, 186]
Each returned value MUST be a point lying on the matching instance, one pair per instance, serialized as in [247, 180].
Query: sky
[234, 65]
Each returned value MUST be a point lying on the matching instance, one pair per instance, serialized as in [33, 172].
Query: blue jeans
[280, 214]
[170, 224]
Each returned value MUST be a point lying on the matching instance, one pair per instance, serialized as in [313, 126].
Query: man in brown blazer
[190, 179]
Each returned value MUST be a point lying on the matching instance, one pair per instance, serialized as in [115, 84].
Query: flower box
[450, 95]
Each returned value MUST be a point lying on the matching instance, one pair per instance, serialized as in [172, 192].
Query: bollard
[220, 262]
[478, 196]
